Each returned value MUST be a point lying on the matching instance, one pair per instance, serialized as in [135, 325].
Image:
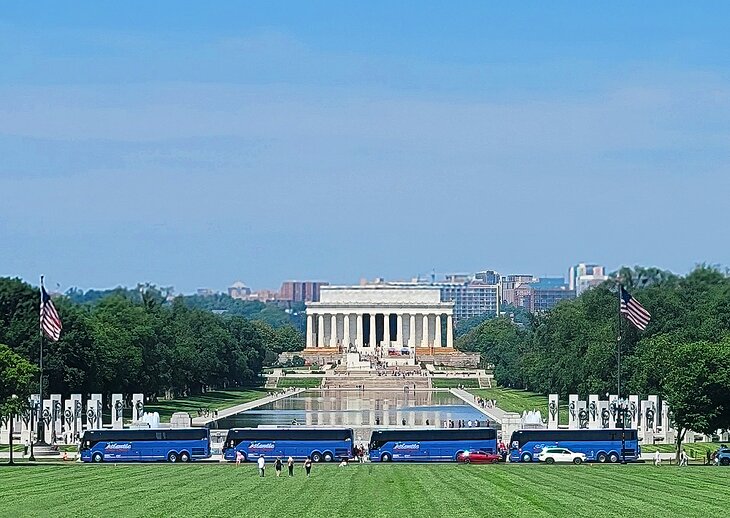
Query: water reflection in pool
[356, 408]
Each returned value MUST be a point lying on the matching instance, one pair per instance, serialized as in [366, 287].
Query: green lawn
[299, 382]
[385, 490]
[218, 399]
[454, 382]
[515, 400]
[696, 450]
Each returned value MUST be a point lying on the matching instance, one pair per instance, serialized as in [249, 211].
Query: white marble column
[412, 330]
[346, 330]
[372, 330]
[386, 329]
[424, 338]
[333, 330]
[320, 330]
[449, 331]
[399, 328]
[310, 324]
[437, 332]
[359, 336]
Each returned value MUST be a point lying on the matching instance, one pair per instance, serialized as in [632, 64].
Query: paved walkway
[226, 412]
[494, 413]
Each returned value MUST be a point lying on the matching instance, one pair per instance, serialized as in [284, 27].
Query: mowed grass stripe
[371, 490]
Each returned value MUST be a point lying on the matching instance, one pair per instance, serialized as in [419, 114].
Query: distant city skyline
[53, 284]
[194, 145]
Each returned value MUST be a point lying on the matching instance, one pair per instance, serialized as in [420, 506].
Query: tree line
[683, 355]
[137, 341]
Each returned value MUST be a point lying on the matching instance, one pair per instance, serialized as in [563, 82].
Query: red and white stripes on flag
[634, 312]
[50, 321]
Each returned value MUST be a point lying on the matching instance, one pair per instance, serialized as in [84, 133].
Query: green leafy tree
[697, 386]
[17, 376]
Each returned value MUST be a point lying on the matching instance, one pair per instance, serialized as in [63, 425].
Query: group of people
[359, 453]
[683, 458]
[485, 403]
[278, 465]
[713, 457]
[462, 423]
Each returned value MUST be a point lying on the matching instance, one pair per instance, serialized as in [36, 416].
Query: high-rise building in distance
[584, 276]
[301, 291]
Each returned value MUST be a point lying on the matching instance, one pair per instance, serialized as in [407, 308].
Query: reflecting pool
[355, 408]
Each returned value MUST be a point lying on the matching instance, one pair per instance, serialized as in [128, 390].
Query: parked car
[477, 457]
[723, 456]
[553, 455]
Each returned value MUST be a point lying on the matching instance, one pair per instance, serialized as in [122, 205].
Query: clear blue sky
[196, 145]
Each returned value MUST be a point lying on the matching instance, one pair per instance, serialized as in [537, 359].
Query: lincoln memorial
[364, 317]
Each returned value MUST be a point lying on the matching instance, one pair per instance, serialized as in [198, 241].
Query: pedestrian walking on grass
[262, 465]
[290, 465]
[277, 466]
[239, 458]
[308, 466]
[683, 458]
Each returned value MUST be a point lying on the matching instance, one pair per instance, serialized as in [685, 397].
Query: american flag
[50, 321]
[635, 312]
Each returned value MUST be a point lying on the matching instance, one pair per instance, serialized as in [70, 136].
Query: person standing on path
[277, 466]
[657, 458]
[290, 465]
[262, 465]
[308, 466]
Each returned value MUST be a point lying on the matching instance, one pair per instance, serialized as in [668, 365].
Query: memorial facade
[365, 317]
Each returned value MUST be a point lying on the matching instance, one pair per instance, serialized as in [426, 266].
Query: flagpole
[40, 376]
[618, 341]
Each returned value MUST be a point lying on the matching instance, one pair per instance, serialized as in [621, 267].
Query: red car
[478, 457]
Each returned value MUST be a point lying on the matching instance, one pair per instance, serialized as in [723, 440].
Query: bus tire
[613, 458]
[327, 457]
[549, 460]
[526, 457]
[577, 460]
[172, 457]
[97, 457]
[184, 456]
[601, 457]
[316, 456]
[386, 457]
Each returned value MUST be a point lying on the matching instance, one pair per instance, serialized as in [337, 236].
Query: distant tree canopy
[17, 377]
[134, 340]
[572, 348]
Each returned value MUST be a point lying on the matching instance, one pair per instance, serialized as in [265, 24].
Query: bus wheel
[577, 460]
[172, 457]
[184, 456]
[386, 457]
[601, 457]
[613, 458]
[316, 456]
[526, 457]
[328, 457]
[97, 457]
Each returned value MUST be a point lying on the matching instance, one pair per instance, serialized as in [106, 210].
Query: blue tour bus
[429, 445]
[598, 445]
[146, 444]
[320, 444]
